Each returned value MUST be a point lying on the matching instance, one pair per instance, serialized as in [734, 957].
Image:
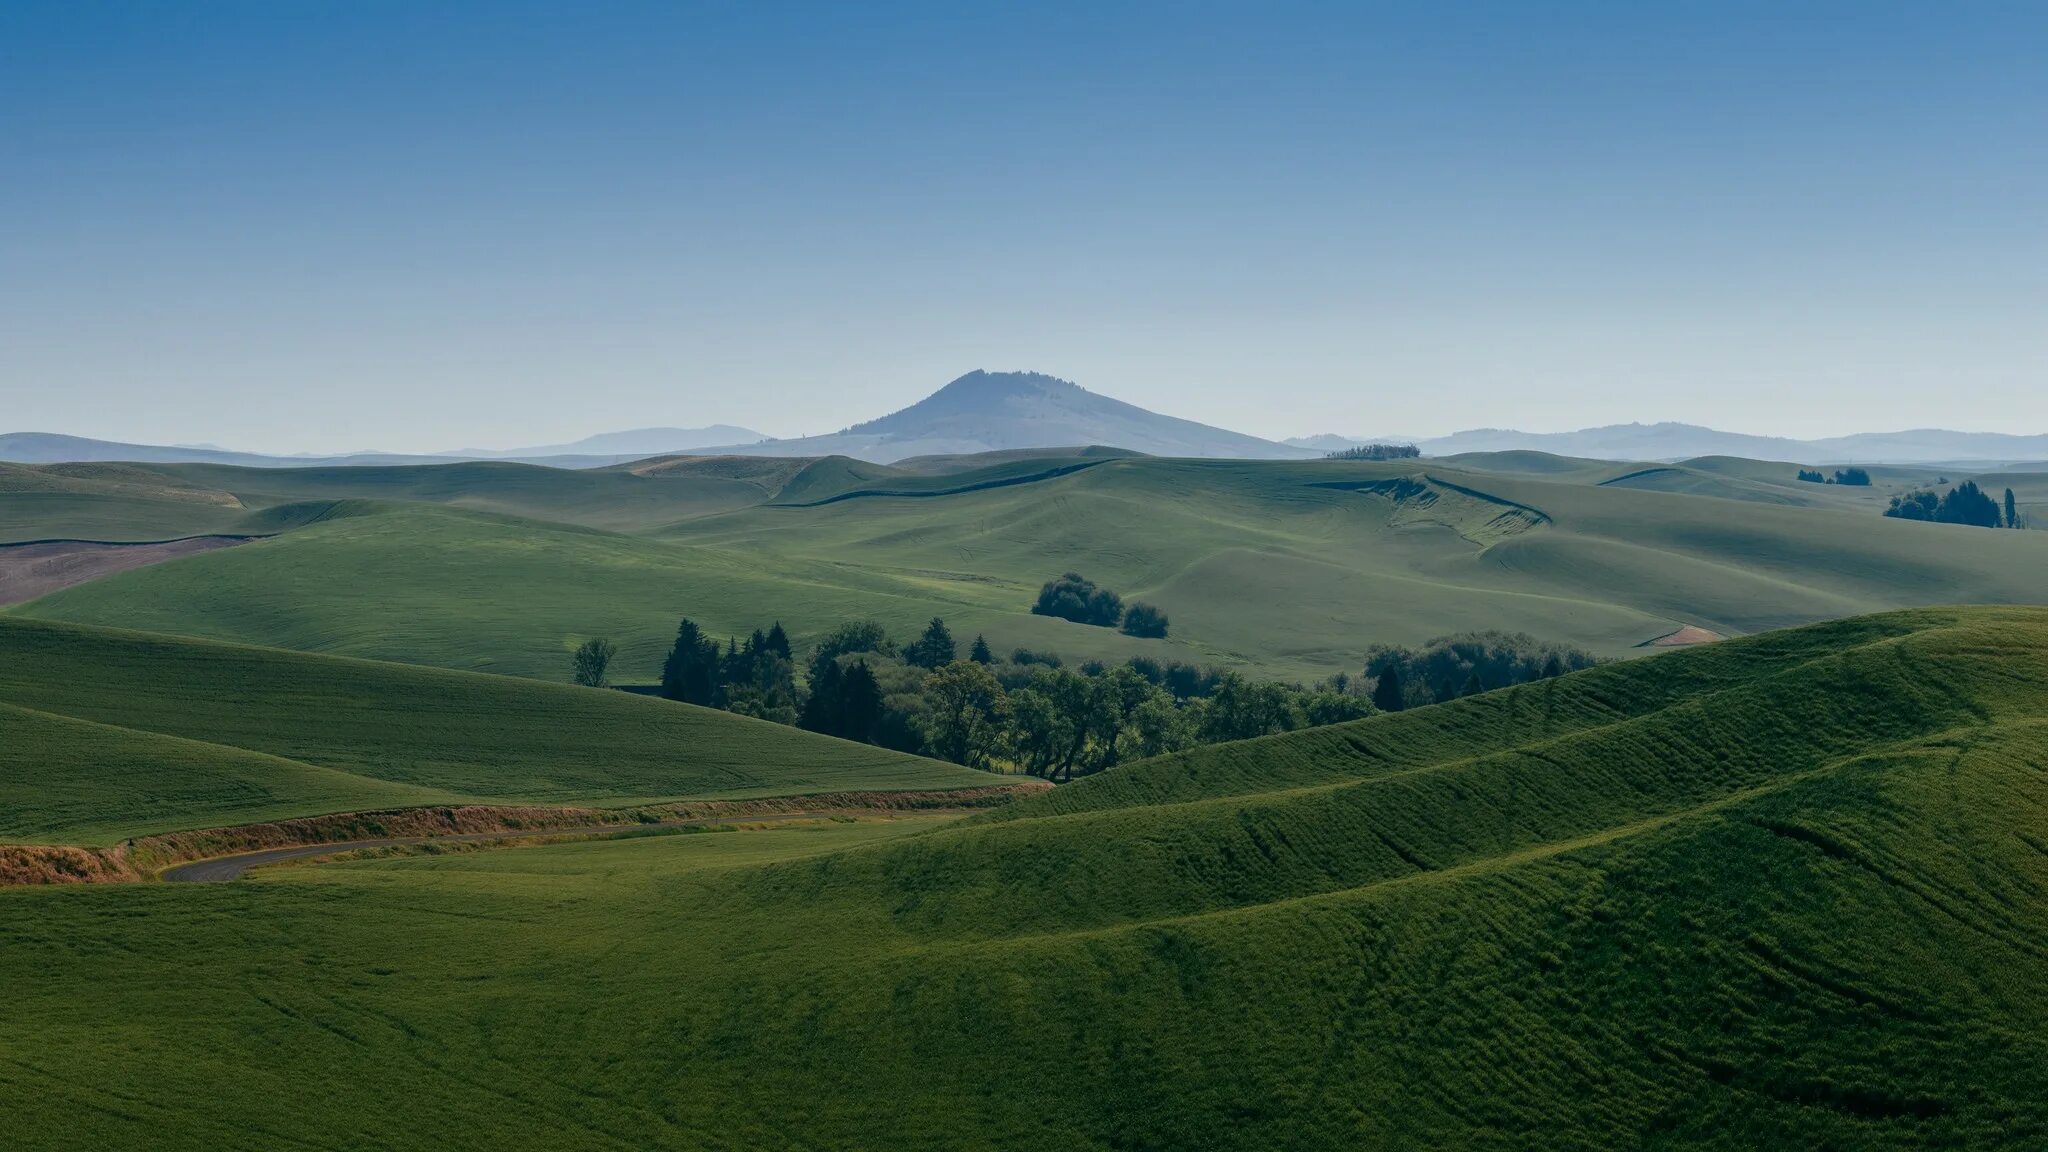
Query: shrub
[1144, 620]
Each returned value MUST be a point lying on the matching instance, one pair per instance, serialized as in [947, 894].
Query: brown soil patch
[40, 568]
[146, 856]
[1688, 635]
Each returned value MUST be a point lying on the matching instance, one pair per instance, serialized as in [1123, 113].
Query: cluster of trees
[756, 678]
[1030, 713]
[1853, 477]
[1464, 664]
[1376, 452]
[1077, 598]
[1963, 504]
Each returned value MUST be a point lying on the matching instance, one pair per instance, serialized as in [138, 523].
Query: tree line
[1963, 504]
[1850, 477]
[1375, 452]
[1029, 712]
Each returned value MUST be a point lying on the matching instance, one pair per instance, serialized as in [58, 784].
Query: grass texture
[106, 734]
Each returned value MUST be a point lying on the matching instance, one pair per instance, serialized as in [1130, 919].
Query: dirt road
[229, 867]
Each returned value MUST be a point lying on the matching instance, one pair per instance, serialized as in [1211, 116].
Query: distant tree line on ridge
[1375, 452]
[1849, 477]
[1963, 504]
[1032, 714]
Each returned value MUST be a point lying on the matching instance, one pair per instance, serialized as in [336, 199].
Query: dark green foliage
[1387, 692]
[1852, 477]
[2012, 510]
[1813, 476]
[1376, 452]
[934, 649]
[1026, 656]
[778, 641]
[855, 636]
[593, 661]
[979, 653]
[1144, 620]
[1964, 504]
[1449, 666]
[1073, 597]
[690, 674]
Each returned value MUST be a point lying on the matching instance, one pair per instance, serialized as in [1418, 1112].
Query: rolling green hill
[1786, 891]
[109, 734]
[1283, 568]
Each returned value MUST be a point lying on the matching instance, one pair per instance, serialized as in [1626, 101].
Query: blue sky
[325, 226]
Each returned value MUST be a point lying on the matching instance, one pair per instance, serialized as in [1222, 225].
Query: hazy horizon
[375, 226]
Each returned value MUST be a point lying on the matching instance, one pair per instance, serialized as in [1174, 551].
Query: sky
[333, 226]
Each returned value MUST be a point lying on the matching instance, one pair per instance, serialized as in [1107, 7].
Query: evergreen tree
[935, 649]
[860, 704]
[823, 708]
[1387, 695]
[690, 673]
[778, 641]
[981, 655]
[2012, 510]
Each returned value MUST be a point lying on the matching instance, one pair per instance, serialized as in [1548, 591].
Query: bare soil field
[44, 566]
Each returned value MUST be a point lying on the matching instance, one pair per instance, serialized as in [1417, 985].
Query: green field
[1786, 891]
[1286, 569]
[109, 734]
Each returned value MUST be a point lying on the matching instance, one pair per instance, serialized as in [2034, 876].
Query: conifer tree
[1387, 695]
[981, 655]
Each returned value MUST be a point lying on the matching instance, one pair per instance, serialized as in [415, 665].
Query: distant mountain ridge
[637, 442]
[1669, 440]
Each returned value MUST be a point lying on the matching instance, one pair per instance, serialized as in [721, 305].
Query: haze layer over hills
[1673, 441]
[1018, 411]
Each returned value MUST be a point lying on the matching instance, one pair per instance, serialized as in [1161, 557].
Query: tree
[1375, 452]
[2012, 510]
[964, 722]
[1144, 620]
[1241, 709]
[1552, 668]
[854, 636]
[1473, 685]
[1387, 695]
[1040, 731]
[934, 649]
[821, 711]
[592, 660]
[1074, 597]
[1813, 476]
[690, 673]
[1851, 477]
[778, 641]
[980, 653]
[860, 703]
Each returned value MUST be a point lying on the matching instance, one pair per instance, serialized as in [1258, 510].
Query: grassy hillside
[110, 734]
[1788, 891]
[1289, 569]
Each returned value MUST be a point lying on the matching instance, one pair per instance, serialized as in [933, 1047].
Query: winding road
[219, 868]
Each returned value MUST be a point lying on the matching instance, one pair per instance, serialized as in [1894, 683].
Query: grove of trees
[1031, 713]
[1852, 477]
[1963, 504]
[1074, 597]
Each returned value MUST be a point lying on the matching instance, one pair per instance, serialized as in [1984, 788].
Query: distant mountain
[636, 442]
[54, 448]
[1673, 441]
[997, 411]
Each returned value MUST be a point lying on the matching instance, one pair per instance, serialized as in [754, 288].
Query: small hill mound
[111, 733]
